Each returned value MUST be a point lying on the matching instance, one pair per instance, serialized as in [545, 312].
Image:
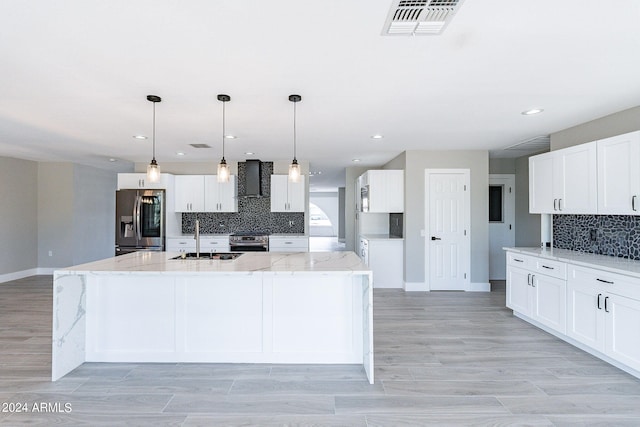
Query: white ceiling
[74, 76]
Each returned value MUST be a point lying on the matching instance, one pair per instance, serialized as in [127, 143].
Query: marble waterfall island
[262, 307]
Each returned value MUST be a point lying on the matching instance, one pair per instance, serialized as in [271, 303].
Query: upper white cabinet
[619, 174]
[220, 196]
[287, 196]
[564, 181]
[382, 191]
[189, 193]
[139, 180]
[203, 193]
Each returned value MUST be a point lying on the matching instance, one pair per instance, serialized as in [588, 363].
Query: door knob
[435, 238]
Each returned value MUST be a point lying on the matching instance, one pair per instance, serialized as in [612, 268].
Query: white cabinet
[220, 196]
[385, 258]
[288, 244]
[208, 244]
[564, 181]
[287, 196]
[189, 193]
[384, 191]
[139, 180]
[203, 193]
[604, 313]
[619, 174]
[536, 288]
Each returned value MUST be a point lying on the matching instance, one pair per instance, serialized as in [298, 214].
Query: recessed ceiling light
[377, 136]
[355, 160]
[179, 153]
[230, 136]
[532, 111]
[249, 153]
[113, 160]
[139, 137]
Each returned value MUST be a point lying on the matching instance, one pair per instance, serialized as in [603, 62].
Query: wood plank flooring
[445, 358]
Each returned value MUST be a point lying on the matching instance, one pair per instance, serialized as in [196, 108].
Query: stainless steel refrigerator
[140, 221]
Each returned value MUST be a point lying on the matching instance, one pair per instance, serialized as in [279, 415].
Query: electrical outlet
[50, 253]
[593, 235]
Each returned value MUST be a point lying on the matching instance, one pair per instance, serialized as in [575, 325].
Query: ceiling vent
[419, 17]
[535, 145]
[200, 145]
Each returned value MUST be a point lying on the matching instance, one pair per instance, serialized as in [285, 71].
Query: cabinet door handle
[559, 204]
[547, 267]
[633, 203]
[529, 279]
[605, 281]
[606, 307]
[533, 278]
[555, 202]
[599, 296]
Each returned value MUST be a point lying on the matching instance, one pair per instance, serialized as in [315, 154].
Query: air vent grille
[200, 145]
[420, 17]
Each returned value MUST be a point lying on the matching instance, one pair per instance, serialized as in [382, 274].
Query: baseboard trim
[47, 271]
[18, 275]
[416, 287]
[479, 287]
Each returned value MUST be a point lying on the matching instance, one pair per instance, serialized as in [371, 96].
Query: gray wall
[415, 163]
[328, 202]
[502, 166]
[527, 225]
[76, 206]
[604, 127]
[18, 215]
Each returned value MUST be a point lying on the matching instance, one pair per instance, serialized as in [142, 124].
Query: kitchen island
[261, 307]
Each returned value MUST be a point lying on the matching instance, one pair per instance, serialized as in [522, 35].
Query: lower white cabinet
[288, 244]
[208, 244]
[385, 259]
[535, 294]
[603, 316]
[595, 308]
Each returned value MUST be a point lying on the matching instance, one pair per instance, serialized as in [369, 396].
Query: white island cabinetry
[258, 308]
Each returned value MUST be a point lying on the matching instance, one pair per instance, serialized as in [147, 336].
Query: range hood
[253, 178]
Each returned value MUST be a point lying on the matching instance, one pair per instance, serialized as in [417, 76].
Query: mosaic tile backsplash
[613, 235]
[254, 213]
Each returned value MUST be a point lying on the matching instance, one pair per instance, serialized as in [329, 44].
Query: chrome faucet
[197, 237]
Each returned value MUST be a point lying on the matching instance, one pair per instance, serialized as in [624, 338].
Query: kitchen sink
[213, 255]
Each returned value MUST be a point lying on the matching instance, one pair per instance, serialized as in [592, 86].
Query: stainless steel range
[249, 241]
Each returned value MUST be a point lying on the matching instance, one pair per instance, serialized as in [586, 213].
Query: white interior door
[502, 215]
[447, 240]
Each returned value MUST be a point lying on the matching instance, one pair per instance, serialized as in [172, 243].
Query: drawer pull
[550, 268]
[605, 281]
[518, 260]
[288, 243]
[182, 243]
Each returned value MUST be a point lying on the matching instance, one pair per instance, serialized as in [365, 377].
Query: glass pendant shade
[153, 171]
[294, 171]
[223, 171]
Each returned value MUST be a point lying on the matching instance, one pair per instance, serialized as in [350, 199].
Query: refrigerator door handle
[137, 217]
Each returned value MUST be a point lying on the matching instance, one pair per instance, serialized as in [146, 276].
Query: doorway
[447, 238]
[502, 216]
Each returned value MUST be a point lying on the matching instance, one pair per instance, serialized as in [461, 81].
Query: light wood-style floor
[441, 359]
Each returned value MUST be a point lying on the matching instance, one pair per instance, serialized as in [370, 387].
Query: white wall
[18, 215]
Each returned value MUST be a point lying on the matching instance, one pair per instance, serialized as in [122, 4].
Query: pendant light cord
[294, 130]
[154, 131]
[223, 127]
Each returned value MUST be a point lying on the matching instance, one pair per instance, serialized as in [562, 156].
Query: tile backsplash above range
[254, 213]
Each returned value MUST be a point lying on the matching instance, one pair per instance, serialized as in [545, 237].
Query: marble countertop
[602, 262]
[380, 237]
[160, 262]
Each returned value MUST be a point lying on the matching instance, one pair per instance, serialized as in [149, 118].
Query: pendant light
[153, 170]
[223, 168]
[294, 167]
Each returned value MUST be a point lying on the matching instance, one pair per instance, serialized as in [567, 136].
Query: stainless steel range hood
[253, 178]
